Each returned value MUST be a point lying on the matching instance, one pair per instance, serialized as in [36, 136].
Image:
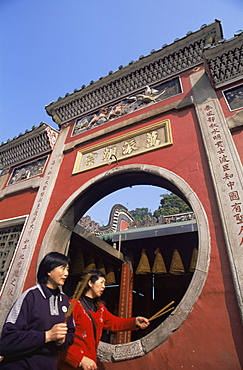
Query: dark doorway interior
[151, 291]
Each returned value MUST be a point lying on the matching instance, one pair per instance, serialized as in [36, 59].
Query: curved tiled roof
[159, 65]
[40, 140]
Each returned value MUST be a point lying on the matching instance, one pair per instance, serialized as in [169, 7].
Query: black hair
[95, 275]
[49, 263]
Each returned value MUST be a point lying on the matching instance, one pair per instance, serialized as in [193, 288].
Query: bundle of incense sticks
[162, 311]
[77, 294]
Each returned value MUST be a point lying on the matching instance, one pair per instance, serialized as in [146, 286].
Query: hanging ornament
[176, 267]
[78, 264]
[159, 265]
[143, 265]
[110, 276]
[90, 265]
[101, 266]
[193, 260]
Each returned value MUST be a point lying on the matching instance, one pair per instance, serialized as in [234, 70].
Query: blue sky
[51, 47]
[135, 197]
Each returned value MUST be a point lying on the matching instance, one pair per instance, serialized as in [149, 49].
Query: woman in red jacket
[91, 317]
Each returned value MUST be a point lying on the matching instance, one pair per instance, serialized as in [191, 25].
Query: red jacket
[84, 340]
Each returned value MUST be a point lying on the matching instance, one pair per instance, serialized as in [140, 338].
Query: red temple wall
[238, 140]
[17, 205]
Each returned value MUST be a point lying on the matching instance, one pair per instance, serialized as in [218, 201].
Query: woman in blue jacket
[34, 330]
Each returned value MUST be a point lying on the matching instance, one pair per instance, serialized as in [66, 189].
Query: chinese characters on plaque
[136, 142]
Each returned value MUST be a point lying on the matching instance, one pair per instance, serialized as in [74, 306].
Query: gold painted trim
[119, 139]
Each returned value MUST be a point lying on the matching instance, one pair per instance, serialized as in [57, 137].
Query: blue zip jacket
[23, 336]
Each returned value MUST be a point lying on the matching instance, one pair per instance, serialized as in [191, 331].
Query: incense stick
[77, 289]
[77, 294]
[162, 311]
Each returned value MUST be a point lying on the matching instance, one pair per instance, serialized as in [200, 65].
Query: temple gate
[172, 119]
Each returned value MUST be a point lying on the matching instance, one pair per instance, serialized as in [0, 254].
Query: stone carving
[39, 141]
[28, 170]
[159, 69]
[234, 97]
[52, 136]
[129, 104]
[127, 351]
[90, 225]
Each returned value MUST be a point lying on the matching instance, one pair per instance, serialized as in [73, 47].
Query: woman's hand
[57, 333]
[88, 364]
[142, 322]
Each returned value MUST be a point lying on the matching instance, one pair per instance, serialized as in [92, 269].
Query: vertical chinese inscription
[26, 244]
[227, 171]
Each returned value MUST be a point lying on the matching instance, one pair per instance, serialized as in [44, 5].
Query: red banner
[125, 300]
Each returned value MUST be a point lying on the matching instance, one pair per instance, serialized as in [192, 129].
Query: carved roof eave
[219, 60]
[37, 130]
[167, 51]
[14, 152]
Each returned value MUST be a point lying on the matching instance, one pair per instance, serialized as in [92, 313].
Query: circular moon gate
[61, 227]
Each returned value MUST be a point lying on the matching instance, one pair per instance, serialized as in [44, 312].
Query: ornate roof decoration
[129, 104]
[39, 141]
[224, 61]
[160, 65]
[118, 214]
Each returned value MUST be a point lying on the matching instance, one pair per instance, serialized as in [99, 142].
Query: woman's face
[57, 276]
[97, 288]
